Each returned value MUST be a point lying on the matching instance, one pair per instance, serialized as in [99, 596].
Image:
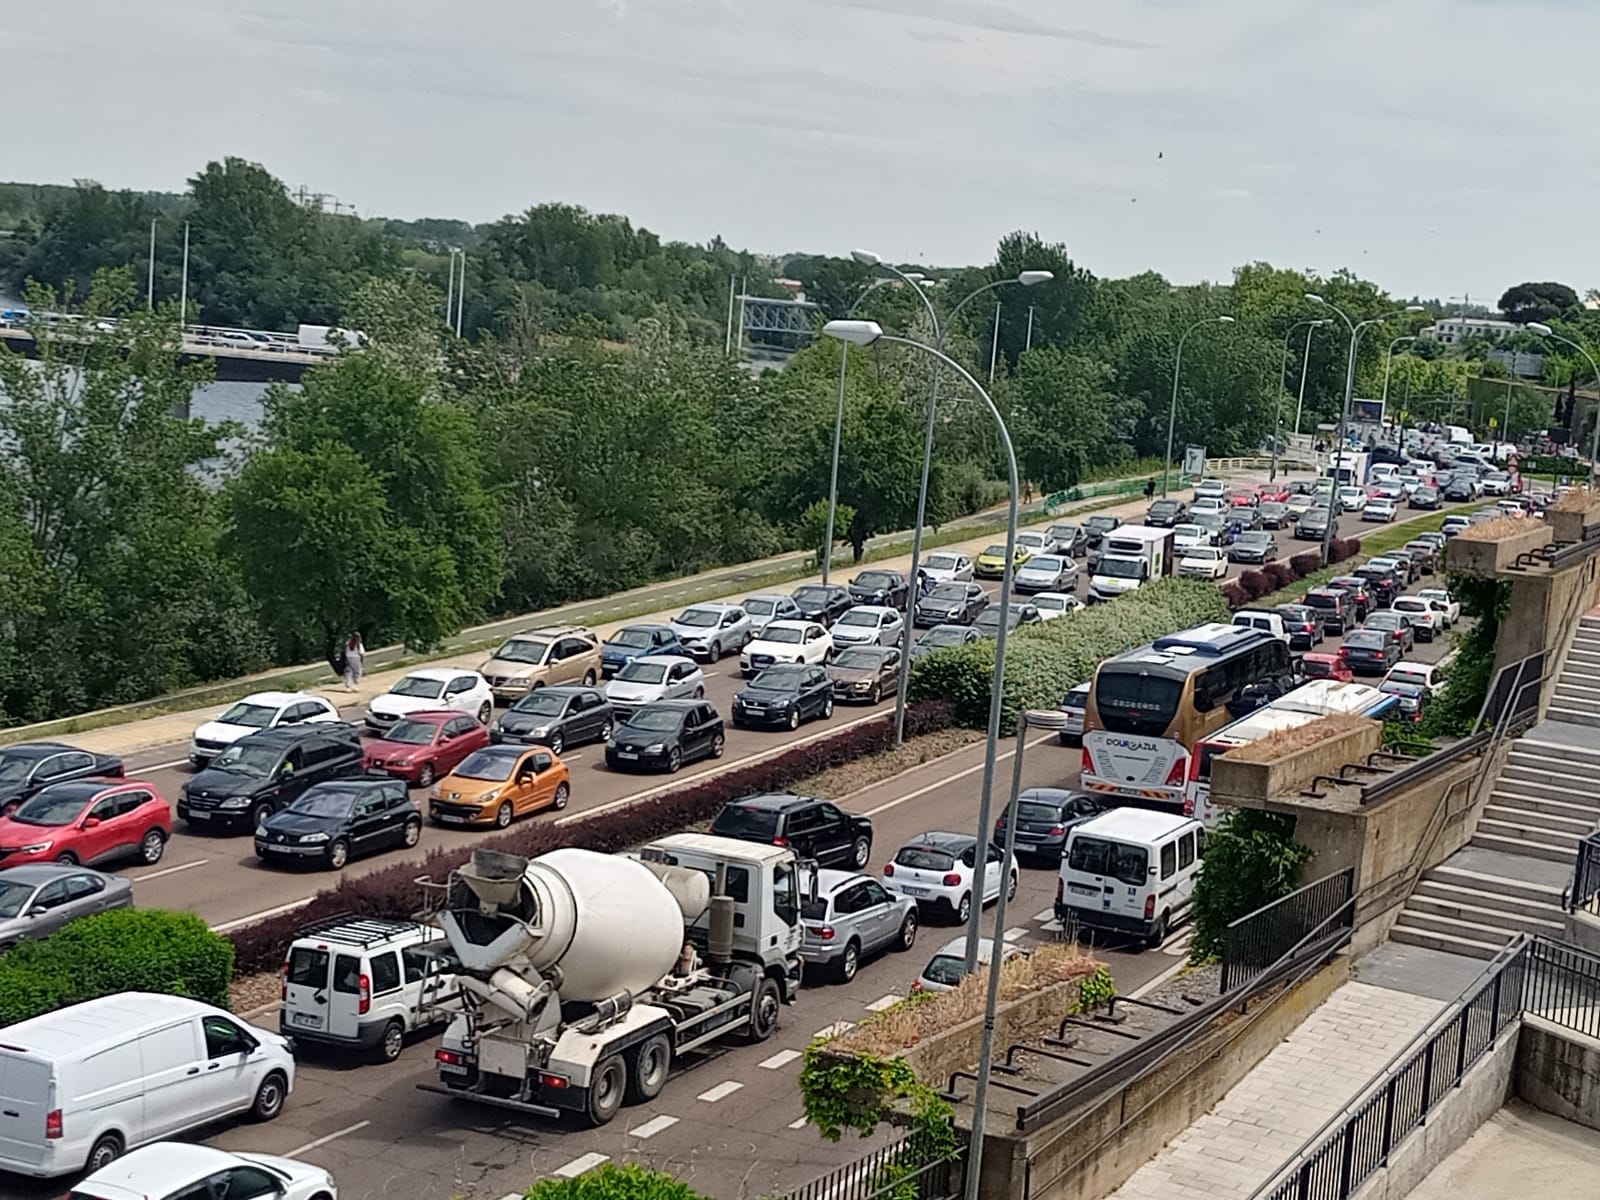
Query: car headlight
[37, 848]
[656, 747]
[863, 685]
[236, 802]
[313, 837]
[435, 792]
[539, 730]
[520, 679]
[490, 797]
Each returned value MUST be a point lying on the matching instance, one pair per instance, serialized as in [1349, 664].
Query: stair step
[1410, 936]
[1570, 809]
[1520, 774]
[1582, 652]
[1471, 931]
[1478, 897]
[1533, 835]
[1489, 840]
[1551, 823]
[1499, 884]
[1512, 922]
[1532, 744]
[1573, 716]
[1568, 693]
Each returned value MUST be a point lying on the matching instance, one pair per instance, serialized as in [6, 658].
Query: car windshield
[410, 733]
[639, 639]
[700, 618]
[858, 617]
[1407, 604]
[1101, 524]
[760, 608]
[934, 637]
[45, 809]
[777, 680]
[419, 686]
[1098, 856]
[1032, 810]
[946, 969]
[252, 716]
[1368, 640]
[818, 595]
[1076, 698]
[15, 770]
[953, 592]
[1321, 601]
[943, 562]
[487, 764]
[1255, 537]
[1120, 568]
[1205, 554]
[1316, 668]
[783, 636]
[924, 858]
[643, 672]
[1189, 531]
[522, 650]
[656, 720]
[858, 659]
[814, 910]
[1044, 563]
[537, 704]
[245, 759]
[336, 804]
[1053, 603]
[1064, 533]
[995, 551]
[13, 896]
[746, 823]
[874, 579]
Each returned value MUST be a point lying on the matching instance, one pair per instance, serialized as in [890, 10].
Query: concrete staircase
[1576, 700]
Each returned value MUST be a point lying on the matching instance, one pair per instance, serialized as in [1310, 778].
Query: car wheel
[555, 743]
[849, 963]
[338, 854]
[718, 745]
[794, 717]
[607, 1087]
[827, 708]
[425, 775]
[1158, 934]
[764, 1008]
[908, 932]
[963, 910]
[502, 815]
[699, 693]
[563, 794]
[674, 760]
[875, 696]
[269, 1098]
[152, 848]
[67, 858]
[411, 834]
[1011, 888]
[104, 1152]
[716, 651]
[485, 711]
[588, 679]
[394, 1041]
[648, 1065]
[860, 850]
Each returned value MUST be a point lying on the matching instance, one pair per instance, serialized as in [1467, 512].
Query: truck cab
[1130, 556]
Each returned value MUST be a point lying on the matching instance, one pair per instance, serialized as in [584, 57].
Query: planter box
[1568, 526]
[1472, 556]
[1240, 783]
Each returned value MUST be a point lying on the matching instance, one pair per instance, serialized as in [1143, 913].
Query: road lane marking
[512, 1196]
[199, 862]
[883, 1002]
[835, 1029]
[721, 1091]
[166, 766]
[1048, 914]
[1015, 934]
[781, 1059]
[948, 779]
[581, 1164]
[323, 1141]
[648, 1130]
[259, 916]
[800, 1124]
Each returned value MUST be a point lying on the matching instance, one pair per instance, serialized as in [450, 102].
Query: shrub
[1304, 563]
[1255, 583]
[1279, 575]
[126, 950]
[1233, 594]
[1342, 548]
[612, 1182]
[1044, 661]
[394, 892]
[1251, 860]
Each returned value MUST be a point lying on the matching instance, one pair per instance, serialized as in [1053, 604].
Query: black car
[1066, 538]
[784, 695]
[335, 822]
[267, 771]
[950, 604]
[1359, 592]
[1254, 546]
[29, 766]
[1397, 625]
[825, 602]
[556, 717]
[1336, 607]
[1166, 513]
[988, 622]
[1045, 816]
[665, 735]
[1370, 651]
[812, 828]
[943, 635]
[1313, 525]
[1384, 584]
[880, 587]
[1302, 623]
[1223, 529]
[1096, 528]
[1459, 488]
[1274, 514]
[1424, 498]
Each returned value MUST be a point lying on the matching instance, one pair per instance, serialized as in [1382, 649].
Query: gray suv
[854, 915]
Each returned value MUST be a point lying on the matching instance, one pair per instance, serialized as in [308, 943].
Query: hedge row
[1044, 661]
[393, 891]
[1249, 586]
[126, 950]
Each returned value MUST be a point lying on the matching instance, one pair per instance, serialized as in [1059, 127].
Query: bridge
[239, 354]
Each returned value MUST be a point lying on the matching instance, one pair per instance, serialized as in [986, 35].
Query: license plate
[628, 754]
[274, 849]
[199, 816]
[1079, 889]
[451, 818]
[308, 1020]
[913, 891]
[452, 1069]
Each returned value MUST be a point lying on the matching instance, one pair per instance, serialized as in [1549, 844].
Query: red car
[88, 821]
[1273, 492]
[1241, 499]
[423, 746]
[1327, 666]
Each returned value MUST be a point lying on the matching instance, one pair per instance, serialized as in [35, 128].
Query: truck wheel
[269, 1098]
[647, 1069]
[764, 1006]
[607, 1086]
[394, 1041]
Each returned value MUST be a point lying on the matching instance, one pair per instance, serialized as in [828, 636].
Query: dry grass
[875, 768]
[1578, 499]
[886, 1034]
[1498, 529]
[1287, 741]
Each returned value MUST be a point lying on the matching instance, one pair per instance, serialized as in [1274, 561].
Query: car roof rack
[355, 929]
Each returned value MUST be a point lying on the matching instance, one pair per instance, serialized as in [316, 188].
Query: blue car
[635, 641]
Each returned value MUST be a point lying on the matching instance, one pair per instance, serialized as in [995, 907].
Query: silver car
[37, 899]
[767, 607]
[709, 631]
[948, 967]
[853, 916]
[656, 677]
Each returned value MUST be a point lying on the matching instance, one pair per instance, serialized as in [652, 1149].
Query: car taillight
[1175, 774]
[1344, 651]
[554, 1081]
[448, 1057]
[916, 986]
[1150, 906]
[365, 986]
[826, 933]
[952, 880]
[778, 841]
[52, 1124]
[888, 869]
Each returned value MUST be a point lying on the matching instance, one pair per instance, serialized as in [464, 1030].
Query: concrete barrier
[1558, 1070]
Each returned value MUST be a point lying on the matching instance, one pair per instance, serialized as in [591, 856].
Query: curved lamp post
[1594, 447]
[1305, 362]
[1388, 366]
[1172, 412]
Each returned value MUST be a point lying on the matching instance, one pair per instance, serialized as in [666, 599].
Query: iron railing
[910, 1169]
[1583, 894]
[1420, 769]
[1513, 696]
[1258, 940]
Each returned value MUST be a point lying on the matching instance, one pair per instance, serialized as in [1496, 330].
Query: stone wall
[1558, 1070]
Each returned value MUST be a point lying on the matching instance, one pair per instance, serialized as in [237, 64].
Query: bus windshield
[1132, 701]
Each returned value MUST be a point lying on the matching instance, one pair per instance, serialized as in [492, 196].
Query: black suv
[266, 771]
[1384, 584]
[335, 822]
[1335, 606]
[880, 587]
[1166, 513]
[665, 735]
[784, 695]
[812, 828]
[1097, 526]
[1359, 592]
[825, 602]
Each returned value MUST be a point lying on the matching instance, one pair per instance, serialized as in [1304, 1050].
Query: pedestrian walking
[1149, 488]
[1027, 492]
[355, 656]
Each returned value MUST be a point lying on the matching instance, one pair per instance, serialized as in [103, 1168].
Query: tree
[612, 1182]
[1061, 307]
[1064, 413]
[1537, 301]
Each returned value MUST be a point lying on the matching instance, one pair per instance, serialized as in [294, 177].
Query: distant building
[1452, 329]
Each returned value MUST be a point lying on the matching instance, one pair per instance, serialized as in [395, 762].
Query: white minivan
[80, 1085]
[1130, 871]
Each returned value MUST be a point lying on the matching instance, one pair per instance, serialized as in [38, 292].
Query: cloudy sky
[1438, 146]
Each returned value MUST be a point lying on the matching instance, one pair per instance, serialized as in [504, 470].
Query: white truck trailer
[1130, 556]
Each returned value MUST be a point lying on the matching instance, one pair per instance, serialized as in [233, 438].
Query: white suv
[430, 689]
[263, 710]
[937, 868]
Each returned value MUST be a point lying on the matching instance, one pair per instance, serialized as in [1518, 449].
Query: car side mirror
[91, 822]
[38, 910]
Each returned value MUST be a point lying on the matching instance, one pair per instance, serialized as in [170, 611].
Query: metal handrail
[1237, 929]
[1422, 768]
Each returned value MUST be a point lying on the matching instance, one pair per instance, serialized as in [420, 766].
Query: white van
[1270, 623]
[1130, 871]
[80, 1085]
[365, 983]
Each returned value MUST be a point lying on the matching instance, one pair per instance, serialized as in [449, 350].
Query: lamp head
[1314, 298]
[1044, 718]
[865, 256]
[1539, 327]
[858, 333]
[1224, 320]
[1030, 278]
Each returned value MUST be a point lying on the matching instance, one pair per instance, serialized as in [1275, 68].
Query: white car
[263, 710]
[1423, 675]
[868, 625]
[711, 630]
[769, 607]
[1409, 482]
[1055, 604]
[431, 688]
[1425, 619]
[1379, 508]
[946, 567]
[1210, 489]
[1352, 499]
[949, 966]
[1203, 562]
[937, 869]
[656, 677]
[1186, 537]
[1034, 543]
[1209, 504]
[1452, 606]
[786, 642]
[184, 1171]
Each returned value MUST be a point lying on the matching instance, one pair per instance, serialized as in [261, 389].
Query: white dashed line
[1050, 927]
[947, 780]
[578, 1166]
[167, 766]
[1015, 934]
[323, 1141]
[800, 1124]
[835, 1029]
[781, 1059]
[653, 1126]
[1048, 914]
[259, 916]
[199, 862]
[883, 1002]
[721, 1092]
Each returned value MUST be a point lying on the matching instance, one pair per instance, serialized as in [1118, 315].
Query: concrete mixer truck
[583, 976]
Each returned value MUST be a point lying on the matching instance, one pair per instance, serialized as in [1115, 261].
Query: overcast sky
[1441, 147]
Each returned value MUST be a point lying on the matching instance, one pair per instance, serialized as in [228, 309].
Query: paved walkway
[1270, 1113]
[1520, 1151]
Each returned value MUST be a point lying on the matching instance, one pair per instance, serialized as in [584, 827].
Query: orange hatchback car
[497, 784]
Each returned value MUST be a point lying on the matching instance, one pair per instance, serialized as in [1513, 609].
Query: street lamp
[1025, 279]
[1172, 413]
[1356, 330]
[1026, 719]
[1305, 363]
[1594, 447]
[1388, 366]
